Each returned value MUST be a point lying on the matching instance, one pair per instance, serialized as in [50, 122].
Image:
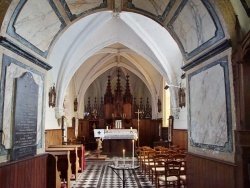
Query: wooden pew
[63, 166]
[37, 171]
[53, 172]
[73, 158]
[80, 153]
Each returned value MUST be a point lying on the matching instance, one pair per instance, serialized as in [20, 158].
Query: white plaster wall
[69, 103]
[50, 117]
[181, 122]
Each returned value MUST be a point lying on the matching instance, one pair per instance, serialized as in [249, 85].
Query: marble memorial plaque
[25, 117]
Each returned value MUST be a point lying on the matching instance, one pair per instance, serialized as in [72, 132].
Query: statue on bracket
[75, 105]
[159, 105]
[182, 97]
[52, 96]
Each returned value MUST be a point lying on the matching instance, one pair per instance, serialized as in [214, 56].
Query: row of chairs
[165, 167]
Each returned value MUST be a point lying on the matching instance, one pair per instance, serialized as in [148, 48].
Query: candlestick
[133, 150]
[123, 156]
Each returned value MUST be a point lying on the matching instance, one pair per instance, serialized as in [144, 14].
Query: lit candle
[131, 128]
[133, 150]
[107, 127]
[123, 151]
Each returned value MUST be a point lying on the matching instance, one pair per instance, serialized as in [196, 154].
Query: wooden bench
[80, 153]
[63, 167]
[73, 158]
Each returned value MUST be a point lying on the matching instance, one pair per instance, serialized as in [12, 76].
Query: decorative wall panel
[210, 107]
[36, 24]
[154, 8]
[76, 8]
[12, 69]
[189, 24]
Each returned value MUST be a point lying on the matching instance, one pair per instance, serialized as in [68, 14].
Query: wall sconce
[168, 85]
[52, 96]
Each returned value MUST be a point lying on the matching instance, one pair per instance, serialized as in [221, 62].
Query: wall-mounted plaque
[25, 117]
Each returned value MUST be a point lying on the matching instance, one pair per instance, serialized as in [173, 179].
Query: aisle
[98, 175]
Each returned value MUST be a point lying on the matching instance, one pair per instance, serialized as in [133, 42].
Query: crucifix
[138, 120]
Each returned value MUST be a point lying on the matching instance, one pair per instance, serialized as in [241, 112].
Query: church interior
[93, 90]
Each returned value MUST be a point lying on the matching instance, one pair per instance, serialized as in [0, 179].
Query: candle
[133, 150]
[123, 151]
[107, 127]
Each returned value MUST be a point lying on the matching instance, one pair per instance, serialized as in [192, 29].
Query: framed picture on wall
[170, 129]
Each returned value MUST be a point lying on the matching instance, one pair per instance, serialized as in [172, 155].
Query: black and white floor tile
[97, 174]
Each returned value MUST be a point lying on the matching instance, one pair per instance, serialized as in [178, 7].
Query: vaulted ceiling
[96, 45]
[85, 41]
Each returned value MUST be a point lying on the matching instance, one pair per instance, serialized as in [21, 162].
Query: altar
[114, 141]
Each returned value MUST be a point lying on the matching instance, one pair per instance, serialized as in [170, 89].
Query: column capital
[59, 112]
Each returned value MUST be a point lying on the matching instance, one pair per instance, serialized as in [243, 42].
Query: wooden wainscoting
[180, 137]
[38, 171]
[149, 131]
[206, 173]
[53, 137]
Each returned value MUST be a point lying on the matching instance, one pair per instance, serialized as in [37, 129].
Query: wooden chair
[183, 178]
[158, 148]
[149, 162]
[171, 177]
[181, 158]
[140, 155]
[181, 151]
[145, 159]
[164, 150]
[159, 167]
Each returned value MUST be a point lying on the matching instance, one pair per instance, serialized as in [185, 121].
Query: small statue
[94, 113]
[99, 146]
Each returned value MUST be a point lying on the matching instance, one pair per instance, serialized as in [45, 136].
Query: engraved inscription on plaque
[25, 117]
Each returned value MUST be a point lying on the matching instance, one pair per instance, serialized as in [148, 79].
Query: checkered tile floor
[98, 175]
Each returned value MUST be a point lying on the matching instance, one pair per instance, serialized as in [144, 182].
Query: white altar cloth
[119, 134]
